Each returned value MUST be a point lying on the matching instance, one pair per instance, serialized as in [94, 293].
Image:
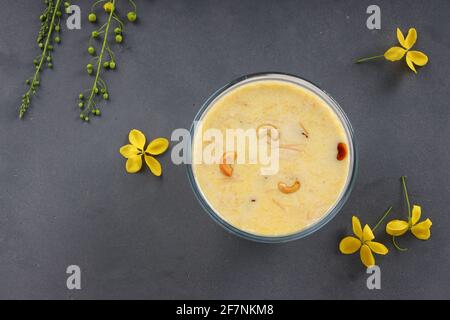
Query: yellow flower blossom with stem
[364, 241]
[134, 152]
[396, 53]
[421, 230]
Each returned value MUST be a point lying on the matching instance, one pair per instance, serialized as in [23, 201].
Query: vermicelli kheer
[313, 161]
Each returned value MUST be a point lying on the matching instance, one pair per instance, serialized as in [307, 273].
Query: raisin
[342, 151]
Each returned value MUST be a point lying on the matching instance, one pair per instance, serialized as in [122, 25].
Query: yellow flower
[412, 57]
[362, 242]
[421, 230]
[109, 6]
[134, 152]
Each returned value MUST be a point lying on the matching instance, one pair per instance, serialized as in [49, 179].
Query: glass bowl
[352, 153]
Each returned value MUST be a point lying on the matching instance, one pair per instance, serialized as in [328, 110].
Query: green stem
[382, 218]
[133, 4]
[115, 17]
[96, 3]
[405, 190]
[103, 83]
[43, 56]
[397, 246]
[111, 54]
[369, 58]
[101, 28]
[100, 58]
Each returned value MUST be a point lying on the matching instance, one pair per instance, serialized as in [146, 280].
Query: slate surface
[65, 197]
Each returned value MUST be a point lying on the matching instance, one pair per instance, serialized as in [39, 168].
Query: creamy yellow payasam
[313, 160]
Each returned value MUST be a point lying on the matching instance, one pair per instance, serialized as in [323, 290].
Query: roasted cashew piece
[283, 187]
[225, 167]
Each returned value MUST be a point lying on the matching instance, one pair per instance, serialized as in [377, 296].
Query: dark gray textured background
[65, 197]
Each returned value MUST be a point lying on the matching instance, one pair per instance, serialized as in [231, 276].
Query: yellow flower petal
[137, 138]
[394, 53]
[357, 230]
[397, 227]
[134, 164]
[366, 256]
[377, 247]
[367, 233]
[154, 165]
[349, 245]
[410, 38]
[157, 146]
[410, 64]
[400, 37]
[129, 151]
[417, 57]
[422, 230]
[415, 214]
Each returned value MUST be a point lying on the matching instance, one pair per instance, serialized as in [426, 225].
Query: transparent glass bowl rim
[352, 154]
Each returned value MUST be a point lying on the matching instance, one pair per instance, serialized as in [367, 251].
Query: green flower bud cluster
[102, 56]
[49, 33]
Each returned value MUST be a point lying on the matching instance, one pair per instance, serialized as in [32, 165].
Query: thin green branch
[96, 3]
[99, 66]
[111, 54]
[397, 246]
[101, 28]
[88, 103]
[382, 218]
[133, 4]
[368, 59]
[24, 107]
[115, 17]
[405, 190]
[103, 83]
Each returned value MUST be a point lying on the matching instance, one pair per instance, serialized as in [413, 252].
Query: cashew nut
[283, 187]
[225, 167]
